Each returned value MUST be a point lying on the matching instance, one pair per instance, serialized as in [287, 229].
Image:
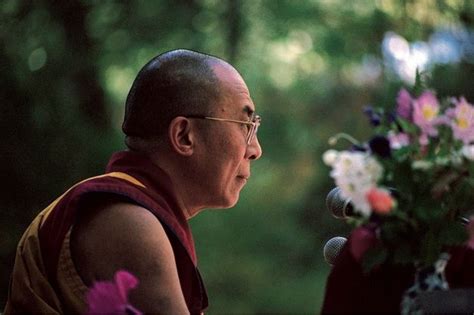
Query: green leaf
[453, 233]
[403, 153]
[407, 126]
[470, 167]
[430, 248]
[374, 257]
[420, 82]
[395, 231]
[462, 198]
[403, 254]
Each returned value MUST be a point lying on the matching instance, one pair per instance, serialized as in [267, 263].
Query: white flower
[356, 173]
[330, 157]
[468, 151]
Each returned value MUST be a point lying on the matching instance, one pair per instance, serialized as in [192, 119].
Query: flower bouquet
[412, 182]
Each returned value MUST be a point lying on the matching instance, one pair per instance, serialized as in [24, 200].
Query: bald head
[178, 82]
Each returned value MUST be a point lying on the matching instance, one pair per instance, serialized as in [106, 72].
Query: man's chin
[228, 202]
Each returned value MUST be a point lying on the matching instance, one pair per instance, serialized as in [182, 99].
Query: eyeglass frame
[254, 124]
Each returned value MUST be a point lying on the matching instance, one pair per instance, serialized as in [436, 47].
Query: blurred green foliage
[66, 67]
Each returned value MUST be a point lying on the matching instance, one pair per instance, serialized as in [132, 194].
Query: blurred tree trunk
[49, 114]
[84, 73]
[235, 28]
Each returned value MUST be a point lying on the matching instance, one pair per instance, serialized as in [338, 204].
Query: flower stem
[334, 139]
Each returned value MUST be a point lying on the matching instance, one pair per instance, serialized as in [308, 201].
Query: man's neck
[181, 185]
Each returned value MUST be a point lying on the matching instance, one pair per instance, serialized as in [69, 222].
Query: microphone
[464, 221]
[332, 248]
[340, 207]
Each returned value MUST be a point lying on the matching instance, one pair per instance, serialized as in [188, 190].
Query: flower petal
[362, 239]
[103, 297]
[125, 281]
[404, 104]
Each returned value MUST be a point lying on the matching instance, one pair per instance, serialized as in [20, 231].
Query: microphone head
[464, 221]
[340, 207]
[332, 248]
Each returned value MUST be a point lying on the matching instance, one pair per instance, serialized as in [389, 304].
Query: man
[190, 127]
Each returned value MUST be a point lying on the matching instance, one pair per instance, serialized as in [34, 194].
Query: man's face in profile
[227, 155]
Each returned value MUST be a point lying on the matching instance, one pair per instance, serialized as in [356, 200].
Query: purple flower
[380, 146]
[462, 120]
[425, 116]
[374, 117]
[111, 297]
[404, 104]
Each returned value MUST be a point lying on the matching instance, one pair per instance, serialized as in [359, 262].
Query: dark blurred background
[311, 66]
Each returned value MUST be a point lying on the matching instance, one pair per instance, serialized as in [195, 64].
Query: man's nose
[254, 150]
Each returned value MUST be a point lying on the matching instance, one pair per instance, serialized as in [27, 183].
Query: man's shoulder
[112, 234]
[113, 209]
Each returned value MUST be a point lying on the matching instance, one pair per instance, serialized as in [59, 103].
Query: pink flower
[462, 120]
[425, 115]
[110, 297]
[404, 104]
[398, 140]
[380, 200]
[362, 239]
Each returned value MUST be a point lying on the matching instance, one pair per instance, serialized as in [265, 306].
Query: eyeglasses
[252, 125]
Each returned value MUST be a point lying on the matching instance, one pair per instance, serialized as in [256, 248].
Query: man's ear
[181, 136]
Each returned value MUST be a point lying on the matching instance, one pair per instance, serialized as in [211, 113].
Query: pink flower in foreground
[110, 297]
[404, 104]
[362, 239]
[462, 120]
[380, 200]
[425, 115]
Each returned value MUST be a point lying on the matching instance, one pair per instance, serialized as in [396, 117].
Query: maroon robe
[131, 176]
